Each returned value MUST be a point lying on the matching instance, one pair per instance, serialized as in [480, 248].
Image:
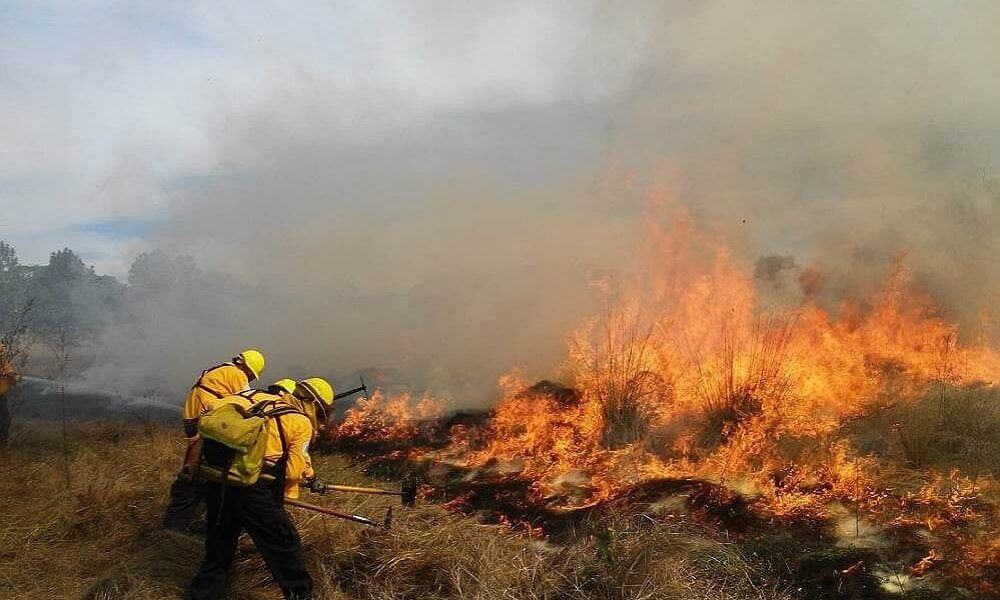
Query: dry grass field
[80, 520]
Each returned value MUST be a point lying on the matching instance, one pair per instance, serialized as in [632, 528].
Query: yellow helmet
[285, 385]
[317, 389]
[252, 359]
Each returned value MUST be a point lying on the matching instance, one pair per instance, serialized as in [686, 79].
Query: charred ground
[911, 538]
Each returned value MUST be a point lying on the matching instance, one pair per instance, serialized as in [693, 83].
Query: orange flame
[689, 373]
[380, 418]
[686, 373]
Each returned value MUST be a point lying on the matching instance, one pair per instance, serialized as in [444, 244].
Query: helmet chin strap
[322, 408]
[239, 362]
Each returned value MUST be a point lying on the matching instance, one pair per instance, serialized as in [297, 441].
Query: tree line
[51, 313]
[65, 302]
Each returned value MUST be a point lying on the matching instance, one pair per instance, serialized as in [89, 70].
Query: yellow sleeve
[298, 434]
[235, 379]
[196, 403]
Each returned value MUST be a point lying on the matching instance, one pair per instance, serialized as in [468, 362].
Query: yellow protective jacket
[298, 432]
[8, 378]
[213, 385]
[309, 408]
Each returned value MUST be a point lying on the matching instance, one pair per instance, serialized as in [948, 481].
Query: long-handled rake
[407, 495]
[385, 524]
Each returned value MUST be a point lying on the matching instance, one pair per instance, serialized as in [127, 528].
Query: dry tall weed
[747, 368]
[98, 539]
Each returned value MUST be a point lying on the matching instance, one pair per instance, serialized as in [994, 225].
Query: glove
[316, 486]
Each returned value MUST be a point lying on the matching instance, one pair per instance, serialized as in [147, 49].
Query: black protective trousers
[260, 512]
[185, 496]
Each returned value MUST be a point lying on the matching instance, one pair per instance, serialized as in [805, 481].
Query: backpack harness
[234, 440]
[201, 386]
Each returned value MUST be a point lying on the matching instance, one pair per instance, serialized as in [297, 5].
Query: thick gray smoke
[841, 134]
[446, 242]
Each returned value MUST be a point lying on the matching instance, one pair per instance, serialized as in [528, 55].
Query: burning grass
[705, 446]
[878, 407]
[97, 538]
[387, 420]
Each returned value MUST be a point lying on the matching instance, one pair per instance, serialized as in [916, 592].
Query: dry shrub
[433, 555]
[638, 557]
[612, 363]
[747, 369]
[951, 428]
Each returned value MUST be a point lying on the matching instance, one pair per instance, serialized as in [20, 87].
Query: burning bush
[734, 384]
[388, 419]
[610, 363]
[691, 352]
[686, 374]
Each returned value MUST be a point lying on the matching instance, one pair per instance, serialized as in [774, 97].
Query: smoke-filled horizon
[431, 189]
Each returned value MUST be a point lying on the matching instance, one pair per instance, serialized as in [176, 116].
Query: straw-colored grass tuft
[83, 523]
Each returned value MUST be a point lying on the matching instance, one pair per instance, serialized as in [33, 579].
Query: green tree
[74, 305]
[13, 286]
[156, 274]
[15, 311]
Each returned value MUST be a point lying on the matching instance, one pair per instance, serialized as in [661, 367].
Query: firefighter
[216, 383]
[279, 390]
[259, 508]
[318, 411]
[8, 379]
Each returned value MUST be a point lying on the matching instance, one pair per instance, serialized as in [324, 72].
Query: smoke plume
[445, 235]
